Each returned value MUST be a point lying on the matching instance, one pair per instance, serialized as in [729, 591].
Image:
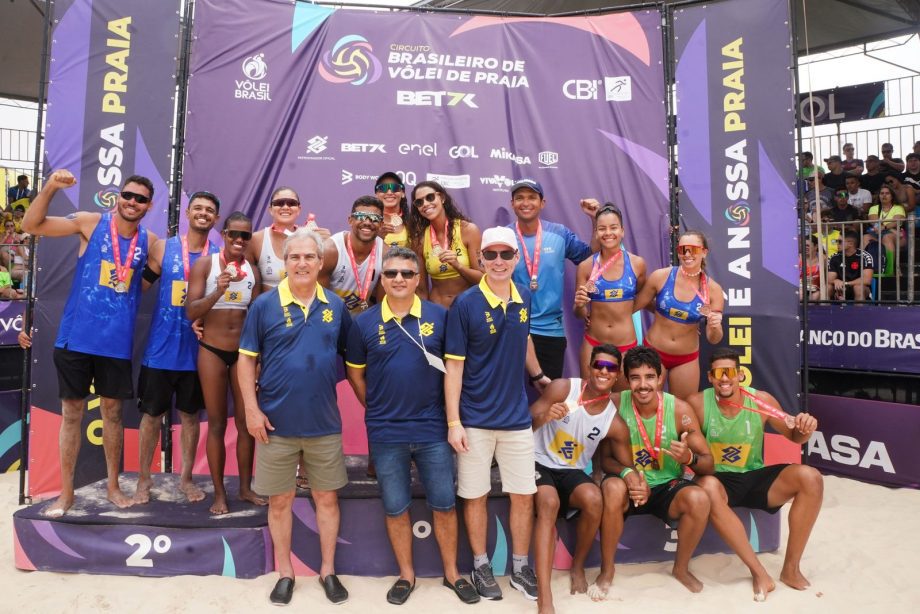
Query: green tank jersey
[669, 468]
[736, 444]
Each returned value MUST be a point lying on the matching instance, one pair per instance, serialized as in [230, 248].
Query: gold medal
[436, 250]
[121, 287]
[361, 306]
[396, 221]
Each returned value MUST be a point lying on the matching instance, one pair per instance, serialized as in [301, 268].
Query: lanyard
[762, 408]
[581, 395]
[121, 268]
[237, 267]
[364, 287]
[659, 427]
[185, 259]
[598, 270]
[284, 231]
[533, 267]
[434, 237]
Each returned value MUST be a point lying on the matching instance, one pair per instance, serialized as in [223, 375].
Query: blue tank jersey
[622, 289]
[171, 344]
[678, 311]
[97, 319]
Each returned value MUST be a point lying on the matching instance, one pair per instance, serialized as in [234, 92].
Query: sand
[863, 555]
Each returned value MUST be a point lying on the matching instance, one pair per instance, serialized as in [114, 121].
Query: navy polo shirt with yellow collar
[490, 337]
[405, 395]
[298, 347]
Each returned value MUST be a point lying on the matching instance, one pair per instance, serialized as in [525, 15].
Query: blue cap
[527, 183]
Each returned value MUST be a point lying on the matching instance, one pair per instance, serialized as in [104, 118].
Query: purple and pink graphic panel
[735, 142]
[325, 100]
[110, 115]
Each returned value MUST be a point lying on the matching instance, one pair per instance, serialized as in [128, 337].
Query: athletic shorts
[513, 450]
[659, 499]
[550, 353]
[157, 387]
[750, 489]
[276, 463]
[565, 481]
[76, 371]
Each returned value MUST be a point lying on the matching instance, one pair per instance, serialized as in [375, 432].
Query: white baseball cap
[500, 235]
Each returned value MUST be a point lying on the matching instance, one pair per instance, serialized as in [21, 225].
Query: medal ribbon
[121, 268]
[434, 237]
[581, 395]
[659, 427]
[284, 231]
[185, 265]
[762, 407]
[598, 270]
[239, 265]
[533, 268]
[363, 286]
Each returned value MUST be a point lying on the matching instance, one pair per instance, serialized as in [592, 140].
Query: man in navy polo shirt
[296, 330]
[487, 345]
[544, 248]
[394, 363]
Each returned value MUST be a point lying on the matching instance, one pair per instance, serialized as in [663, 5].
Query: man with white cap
[487, 349]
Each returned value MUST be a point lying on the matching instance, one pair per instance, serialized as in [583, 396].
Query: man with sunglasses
[96, 334]
[353, 258]
[665, 438]
[395, 365]
[570, 420]
[487, 350]
[544, 247]
[732, 417]
[170, 368]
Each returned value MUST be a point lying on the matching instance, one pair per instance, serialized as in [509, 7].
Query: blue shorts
[435, 463]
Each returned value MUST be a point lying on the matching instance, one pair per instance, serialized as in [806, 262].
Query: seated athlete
[220, 290]
[665, 438]
[570, 420]
[732, 417]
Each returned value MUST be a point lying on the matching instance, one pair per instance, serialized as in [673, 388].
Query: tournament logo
[254, 67]
[739, 214]
[105, 199]
[350, 61]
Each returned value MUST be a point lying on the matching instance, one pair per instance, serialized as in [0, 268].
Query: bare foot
[598, 591]
[248, 495]
[59, 507]
[191, 491]
[219, 506]
[795, 579]
[142, 492]
[763, 585]
[119, 498]
[687, 579]
[577, 581]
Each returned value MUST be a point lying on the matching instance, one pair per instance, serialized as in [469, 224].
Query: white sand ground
[864, 555]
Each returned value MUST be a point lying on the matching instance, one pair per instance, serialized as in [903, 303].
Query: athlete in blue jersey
[97, 328]
[544, 248]
[169, 369]
[683, 296]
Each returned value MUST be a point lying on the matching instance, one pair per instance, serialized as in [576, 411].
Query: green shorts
[276, 463]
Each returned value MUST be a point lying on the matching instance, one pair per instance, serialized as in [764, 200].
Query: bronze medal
[590, 288]
[533, 283]
[704, 310]
[656, 465]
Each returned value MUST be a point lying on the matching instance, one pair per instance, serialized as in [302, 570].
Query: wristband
[453, 423]
[626, 472]
[537, 377]
[694, 459]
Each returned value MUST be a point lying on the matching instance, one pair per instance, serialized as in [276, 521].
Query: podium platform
[170, 536]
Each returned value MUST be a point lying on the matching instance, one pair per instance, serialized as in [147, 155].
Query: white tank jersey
[342, 279]
[571, 442]
[271, 265]
[238, 294]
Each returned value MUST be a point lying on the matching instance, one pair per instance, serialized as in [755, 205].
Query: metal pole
[667, 29]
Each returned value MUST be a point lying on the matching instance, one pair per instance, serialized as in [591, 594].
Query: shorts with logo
[513, 450]
[565, 481]
[156, 388]
[76, 371]
[659, 499]
[276, 463]
[435, 464]
[750, 489]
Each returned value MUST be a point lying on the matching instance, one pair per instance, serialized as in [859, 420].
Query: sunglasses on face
[506, 254]
[405, 273]
[693, 250]
[427, 198]
[138, 198]
[245, 235]
[361, 216]
[600, 365]
[720, 372]
[383, 188]
[285, 202]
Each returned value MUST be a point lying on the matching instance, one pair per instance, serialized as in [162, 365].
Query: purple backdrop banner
[325, 100]
[11, 314]
[110, 114]
[881, 450]
[864, 337]
[735, 141]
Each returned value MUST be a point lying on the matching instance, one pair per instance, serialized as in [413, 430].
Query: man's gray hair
[302, 234]
[403, 253]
